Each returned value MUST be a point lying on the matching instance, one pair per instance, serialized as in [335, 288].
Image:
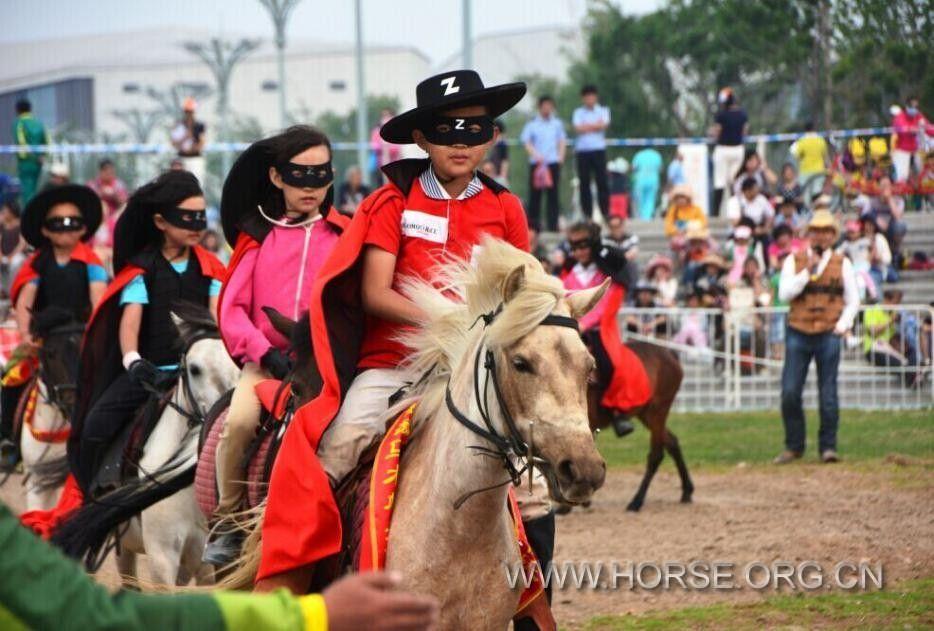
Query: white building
[79, 82]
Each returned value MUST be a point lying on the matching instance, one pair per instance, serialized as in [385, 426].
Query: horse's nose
[582, 472]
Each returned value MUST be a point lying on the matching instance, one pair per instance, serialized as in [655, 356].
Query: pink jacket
[574, 283]
[277, 274]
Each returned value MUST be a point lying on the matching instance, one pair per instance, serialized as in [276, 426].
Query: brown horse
[665, 374]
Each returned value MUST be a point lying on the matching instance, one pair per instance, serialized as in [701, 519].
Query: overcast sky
[434, 26]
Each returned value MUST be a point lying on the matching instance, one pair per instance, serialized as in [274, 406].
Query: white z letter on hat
[449, 87]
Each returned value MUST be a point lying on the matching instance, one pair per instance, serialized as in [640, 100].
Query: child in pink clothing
[276, 207]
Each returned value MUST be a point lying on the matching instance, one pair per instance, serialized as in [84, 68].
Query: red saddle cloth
[384, 480]
[273, 397]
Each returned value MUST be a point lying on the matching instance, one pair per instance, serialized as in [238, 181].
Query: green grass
[724, 440]
[909, 605]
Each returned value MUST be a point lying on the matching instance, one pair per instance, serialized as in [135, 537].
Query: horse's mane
[465, 292]
[196, 321]
[45, 321]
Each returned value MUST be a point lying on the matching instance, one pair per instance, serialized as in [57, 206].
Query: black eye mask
[458, 130]
[306, 175]
[195, 220]
[63, 224]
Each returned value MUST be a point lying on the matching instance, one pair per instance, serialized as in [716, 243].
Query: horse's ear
[180, 324]
[279, 322]
[514, 282]
[581, 302]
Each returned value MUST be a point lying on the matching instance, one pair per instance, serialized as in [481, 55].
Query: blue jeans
[800, 348]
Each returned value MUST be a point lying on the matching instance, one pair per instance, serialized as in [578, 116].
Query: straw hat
[682, 190]
[713, 259]
[823, 219]
[658, 261]
[698, 231]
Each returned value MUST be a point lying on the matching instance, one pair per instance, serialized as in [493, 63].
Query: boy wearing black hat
[63, 272]
[430, 209]
[158, 262]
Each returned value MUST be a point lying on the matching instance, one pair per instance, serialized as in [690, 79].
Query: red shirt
[419, 234]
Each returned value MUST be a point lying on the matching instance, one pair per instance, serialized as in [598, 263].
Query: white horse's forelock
[464, 291]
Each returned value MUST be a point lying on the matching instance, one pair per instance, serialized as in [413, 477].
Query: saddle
[277, 403]
[120, 462]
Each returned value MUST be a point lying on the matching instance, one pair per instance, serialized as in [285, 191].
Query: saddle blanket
[384, 480]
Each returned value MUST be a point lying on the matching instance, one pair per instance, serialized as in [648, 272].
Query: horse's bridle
[195, 415]
[513, 443]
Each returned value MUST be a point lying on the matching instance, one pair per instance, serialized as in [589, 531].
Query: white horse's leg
[174, 532]
[33, 452]
[127, 553]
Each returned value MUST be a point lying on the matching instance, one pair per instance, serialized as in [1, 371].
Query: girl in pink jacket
[276, 207]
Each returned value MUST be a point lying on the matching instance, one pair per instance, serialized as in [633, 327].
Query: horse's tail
[85, 534]
[242, 573]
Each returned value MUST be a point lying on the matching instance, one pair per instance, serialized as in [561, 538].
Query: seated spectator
[751, 205]
[925, 183]
[211, 241]
[693, 330]
[660, 272]
[754, 167]
[784, 242]
[789, 188]
[681, 213]
[890, 209]
[738, 249]
[352, 191]
[699, 245]
[856, 246]
[618, 237]
[788, 214]
[880, 255]
[708, 283]
[750, 292]
[885, 337]
[646, 324]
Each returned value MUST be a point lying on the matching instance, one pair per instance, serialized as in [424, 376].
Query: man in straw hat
[821, 287]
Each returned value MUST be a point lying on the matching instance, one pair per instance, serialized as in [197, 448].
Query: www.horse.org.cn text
[700, 575]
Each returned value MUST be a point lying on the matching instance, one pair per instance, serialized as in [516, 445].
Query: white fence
[733, 359]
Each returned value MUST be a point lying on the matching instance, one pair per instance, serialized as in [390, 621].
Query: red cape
[82, 252]
[302, 522]
[630, 387]
[246, 243]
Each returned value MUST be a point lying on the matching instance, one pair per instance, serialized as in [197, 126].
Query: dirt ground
[803, 512]
[797, 513]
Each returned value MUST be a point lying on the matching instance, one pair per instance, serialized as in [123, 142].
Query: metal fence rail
[733, 358]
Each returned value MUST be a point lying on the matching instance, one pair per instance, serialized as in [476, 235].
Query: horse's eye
[194, 370]
[521, 364]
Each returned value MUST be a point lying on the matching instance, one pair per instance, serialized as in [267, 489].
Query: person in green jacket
[41, 589]
[28, 130]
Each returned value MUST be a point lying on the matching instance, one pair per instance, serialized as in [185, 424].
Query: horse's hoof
[686, 499]
[562, 509]
[634, 507]
[586, 504]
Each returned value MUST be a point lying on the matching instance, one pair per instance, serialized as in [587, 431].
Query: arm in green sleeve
[45, 590]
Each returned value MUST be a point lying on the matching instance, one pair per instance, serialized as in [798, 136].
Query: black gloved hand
[277, 363]
[143, 371]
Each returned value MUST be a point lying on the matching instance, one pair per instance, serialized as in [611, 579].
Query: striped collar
[434, 190]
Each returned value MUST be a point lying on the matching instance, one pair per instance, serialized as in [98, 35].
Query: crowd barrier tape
[224, 147]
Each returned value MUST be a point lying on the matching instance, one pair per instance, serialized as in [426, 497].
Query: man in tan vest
[821, 287]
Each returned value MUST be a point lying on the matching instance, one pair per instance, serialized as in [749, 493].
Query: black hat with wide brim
[248, 186]
[38, 208]
[449, 90]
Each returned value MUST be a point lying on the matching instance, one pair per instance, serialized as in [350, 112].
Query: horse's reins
[512, 444]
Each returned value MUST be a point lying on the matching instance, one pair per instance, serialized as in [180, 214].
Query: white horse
[157, 515]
